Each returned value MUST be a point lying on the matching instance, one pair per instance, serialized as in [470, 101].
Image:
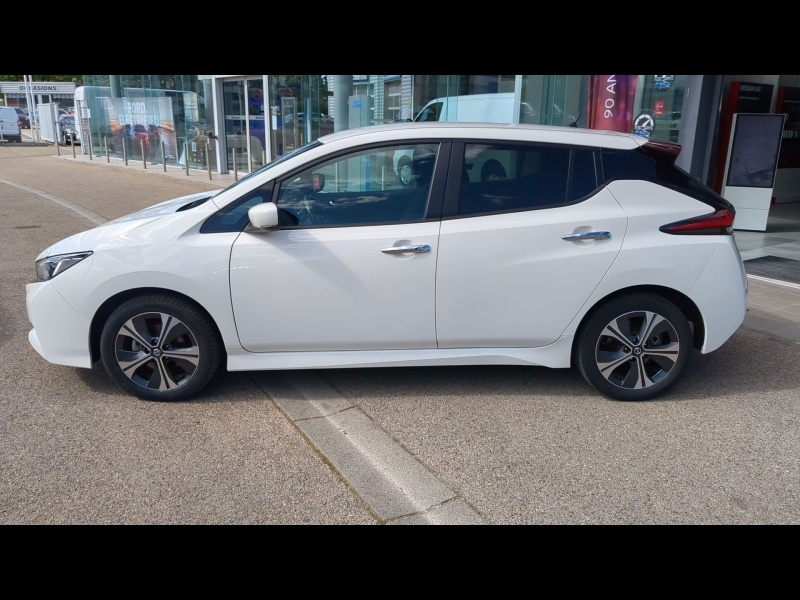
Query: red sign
[611, 106]
[659, 109]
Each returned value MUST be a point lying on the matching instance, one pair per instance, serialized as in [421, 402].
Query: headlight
[49, 267]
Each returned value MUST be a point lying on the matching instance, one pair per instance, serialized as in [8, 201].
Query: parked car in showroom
[69, 133]
[591, 249]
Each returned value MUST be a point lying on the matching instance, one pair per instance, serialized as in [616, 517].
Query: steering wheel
[315, 212]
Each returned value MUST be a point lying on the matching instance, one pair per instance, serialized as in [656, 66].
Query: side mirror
[264, 217]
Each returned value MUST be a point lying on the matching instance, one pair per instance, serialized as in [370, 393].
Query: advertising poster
[611, 105]
[754, 155]
[145, 122]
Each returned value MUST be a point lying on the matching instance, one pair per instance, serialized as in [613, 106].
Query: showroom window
[390, 184]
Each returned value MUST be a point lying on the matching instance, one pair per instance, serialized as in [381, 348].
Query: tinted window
[233, 217]
[584, 180]
[382, 185]
[499, 178]
[627, 164]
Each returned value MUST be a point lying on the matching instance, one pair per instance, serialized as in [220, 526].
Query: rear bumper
[721, 294]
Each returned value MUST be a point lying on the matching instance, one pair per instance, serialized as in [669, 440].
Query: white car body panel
[510, 280]
[648, 256]
[333, 289]
[555, 355]
[718, 294]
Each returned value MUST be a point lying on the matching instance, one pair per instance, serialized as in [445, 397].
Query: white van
[480, 108]
[474, 108]
[9, 125]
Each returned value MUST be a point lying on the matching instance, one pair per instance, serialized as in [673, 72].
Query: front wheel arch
[679, 299]
[110, 305]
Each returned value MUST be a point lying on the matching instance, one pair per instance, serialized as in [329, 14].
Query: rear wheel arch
[679, 299]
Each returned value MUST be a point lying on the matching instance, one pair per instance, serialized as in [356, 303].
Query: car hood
[89, 240]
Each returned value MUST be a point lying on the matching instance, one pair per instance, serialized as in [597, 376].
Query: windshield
[283, 158]
[69, 122]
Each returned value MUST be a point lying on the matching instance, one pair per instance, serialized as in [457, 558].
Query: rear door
[513, 268]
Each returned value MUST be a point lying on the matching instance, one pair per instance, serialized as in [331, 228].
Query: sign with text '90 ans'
[755, 149]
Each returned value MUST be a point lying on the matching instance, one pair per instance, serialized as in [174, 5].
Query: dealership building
[250, 120]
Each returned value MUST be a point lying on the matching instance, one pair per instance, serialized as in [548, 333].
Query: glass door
[256, 123]
[234, 96]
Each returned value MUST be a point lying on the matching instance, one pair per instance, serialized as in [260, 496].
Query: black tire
[608, 365]
[181, 377]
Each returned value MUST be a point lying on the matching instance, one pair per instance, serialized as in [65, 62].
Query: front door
[353, 266]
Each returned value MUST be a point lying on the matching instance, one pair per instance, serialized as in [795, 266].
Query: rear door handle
[405, 249]
[589, 235]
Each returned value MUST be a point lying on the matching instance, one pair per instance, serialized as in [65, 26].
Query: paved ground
[490, 444]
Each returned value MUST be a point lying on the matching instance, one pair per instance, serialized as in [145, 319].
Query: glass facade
[264, 117]
[134, 114]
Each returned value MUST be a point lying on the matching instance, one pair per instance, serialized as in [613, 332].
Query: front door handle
[589, 235]
[405, 249]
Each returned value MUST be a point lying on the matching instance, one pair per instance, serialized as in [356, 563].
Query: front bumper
[59, 334]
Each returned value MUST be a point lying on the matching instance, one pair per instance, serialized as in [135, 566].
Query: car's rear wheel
[634, 347]
[159, 347]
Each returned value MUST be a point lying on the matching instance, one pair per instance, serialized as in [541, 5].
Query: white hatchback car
[517, 244]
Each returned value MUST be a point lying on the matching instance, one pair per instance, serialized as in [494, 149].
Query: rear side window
[627, 164]
[500, 178]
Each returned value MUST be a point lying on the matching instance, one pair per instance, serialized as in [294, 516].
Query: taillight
[717, 223]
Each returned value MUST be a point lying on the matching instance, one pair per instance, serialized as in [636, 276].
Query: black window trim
[438, 181]
[235, 204]
[450, 210]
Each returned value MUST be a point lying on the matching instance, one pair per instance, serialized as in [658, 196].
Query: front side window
[383, 185]
[502, 178]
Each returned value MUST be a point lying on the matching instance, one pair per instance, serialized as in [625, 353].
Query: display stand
[750, 167]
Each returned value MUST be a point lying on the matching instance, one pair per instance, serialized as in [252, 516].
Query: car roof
[510, 132]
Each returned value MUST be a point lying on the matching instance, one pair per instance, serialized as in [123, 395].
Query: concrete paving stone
[768, 301]
[765, 323]
[454, 512]
[792, 333]
[788, 295]
[301, 396]
[792, 308]
[385, 475]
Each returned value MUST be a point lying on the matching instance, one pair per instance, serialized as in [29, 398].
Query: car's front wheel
[634, 347]
[159, 347]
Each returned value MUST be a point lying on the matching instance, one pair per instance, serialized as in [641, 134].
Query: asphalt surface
[516, 445]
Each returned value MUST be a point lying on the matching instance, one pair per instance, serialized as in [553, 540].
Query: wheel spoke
[170, 326]
[636, 378]
[190, 355]
[136, 330]
[129, 359]
[613, 333]
[608, 361]
[623, 326]
[665, 362]
[654, 322]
